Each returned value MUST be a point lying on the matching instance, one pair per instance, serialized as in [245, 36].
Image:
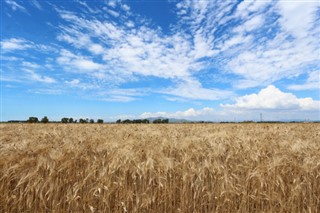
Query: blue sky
[198, 60]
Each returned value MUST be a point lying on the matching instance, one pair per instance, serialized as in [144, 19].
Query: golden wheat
[160, 168]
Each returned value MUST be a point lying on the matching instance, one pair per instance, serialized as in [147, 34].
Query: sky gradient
[196, 60]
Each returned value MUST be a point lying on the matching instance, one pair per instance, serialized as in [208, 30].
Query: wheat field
[160, 168]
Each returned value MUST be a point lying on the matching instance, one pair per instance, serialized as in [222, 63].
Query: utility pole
[260, 117]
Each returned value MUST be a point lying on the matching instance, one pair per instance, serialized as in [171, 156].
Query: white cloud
[15, 6]
[143, 51]
[76, 83]
[207, 34]
[121, 95]
[15, 44]
[84, 64]
[273, 103]
[113, 13]
[96, 49]
[192, 89]
[119, 98]
[250, 24]
[271, 98]
[36, 4]
[19, 44]
[46, 91]
[312, 83]
[247, 7]
[130, 24]
[30, 65]
[297, 17]
[10, 58]
[188, 114]
[202, 47]
[261, 48]
[32, 75]
[80, 63]
[125, 7]
[73, 82]
[91, 10]
[284, 55]
[112, 3]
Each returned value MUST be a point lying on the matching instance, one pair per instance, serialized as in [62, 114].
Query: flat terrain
[160, 168]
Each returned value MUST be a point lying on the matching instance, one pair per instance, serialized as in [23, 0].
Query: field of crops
[160, 168]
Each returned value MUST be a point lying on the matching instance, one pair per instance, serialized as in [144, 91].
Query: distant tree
[248, 121]
[100, 121]
[165, 121]
[65, 120]
[145, 121]
[118, 121]
[91, 121]
[137, 121]
[75, 121]
[83, 121]
[33, 120]
[45, 119]
[161, 121]
[70, 120]
[157, 121]
[127, 121]
[16, 121]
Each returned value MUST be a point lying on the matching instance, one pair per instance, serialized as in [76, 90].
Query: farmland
[160, 168]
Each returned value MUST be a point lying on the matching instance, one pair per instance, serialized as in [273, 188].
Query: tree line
[66, 120]
[45, 119]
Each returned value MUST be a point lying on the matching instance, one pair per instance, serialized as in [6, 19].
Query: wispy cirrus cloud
[79, 62]
[312, 82]
[143, 51]
[256, 42]
[36, 4]
[279, 56]
[260, 41]
[15, 6]
[122, 95]
[19, 44]
[32, 75]
[15, 44]
[192, 89]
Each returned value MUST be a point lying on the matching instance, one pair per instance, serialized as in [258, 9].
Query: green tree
[100, 121]
[33, 120]
[64, 120]
[91, 121]
[145, 121]
[118, 121]
[165, 121]
[45, 119]
[127, 121]
[82, 121]
[157, 121]
[70, 120]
